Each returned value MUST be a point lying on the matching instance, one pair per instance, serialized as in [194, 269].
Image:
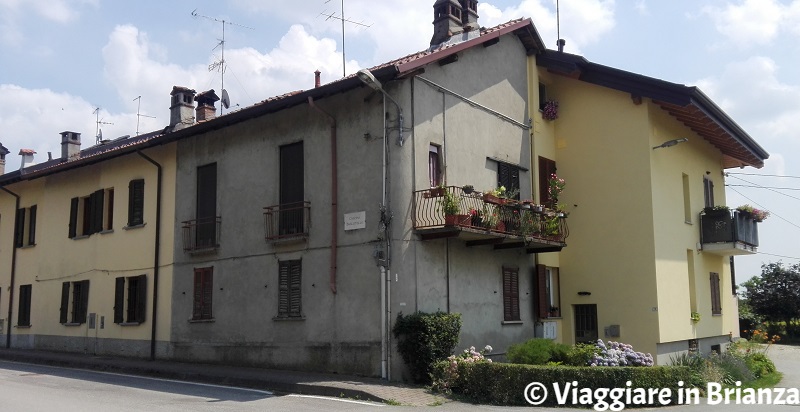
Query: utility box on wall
[612, 331]
[550, 330]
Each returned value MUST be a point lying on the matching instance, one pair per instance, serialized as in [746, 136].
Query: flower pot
[490, 198]
[434, 192]
[500, 226]
[457, 220]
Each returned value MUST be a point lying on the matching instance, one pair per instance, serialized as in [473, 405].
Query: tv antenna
[220, 64]
[97, 131]
[139, 114]
[344, 20]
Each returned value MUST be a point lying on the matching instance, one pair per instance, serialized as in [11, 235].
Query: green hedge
[426, 338]
[504, 383]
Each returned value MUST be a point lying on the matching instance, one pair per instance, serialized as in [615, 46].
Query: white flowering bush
[619, 354]
[449, 375]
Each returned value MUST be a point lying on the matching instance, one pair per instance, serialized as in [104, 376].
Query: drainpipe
[156, 255]
[334, 194]
[13, 272]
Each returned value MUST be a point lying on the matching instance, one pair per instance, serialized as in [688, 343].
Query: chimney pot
[70, 145]
[205, 105]
[181, 111]
[317, 78]
[561, 43]
[3, 153]
[27, 158]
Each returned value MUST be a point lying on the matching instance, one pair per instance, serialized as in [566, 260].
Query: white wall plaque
[353, 221]
[550, 329]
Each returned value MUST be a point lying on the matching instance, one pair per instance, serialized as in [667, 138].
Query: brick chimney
[3, 153]
[70, 145]
[181, 111]
[454, 21]
[27, 158]
[205, 105]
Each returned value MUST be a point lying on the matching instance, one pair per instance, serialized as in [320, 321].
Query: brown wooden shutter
[119, 299]
[203, 284]
[19, 228]
[73, 217]
[24, 315]
[543, 301]
[136, 202]
[295, 307]
[32, 226]
[96, 225]
[84, 303]
[546, 168]
[716, 306]
[110, 218]
[208, 282]
[141, 298]
[508, 176]
[64, 302]
[283, 288]
[198, 294]
[510, 294]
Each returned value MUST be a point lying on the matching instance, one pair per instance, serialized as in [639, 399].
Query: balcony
[728, 233]
[287, 222]
[201, 235]
[486, 220]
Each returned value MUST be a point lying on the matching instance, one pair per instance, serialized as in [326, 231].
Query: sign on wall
[353, 221]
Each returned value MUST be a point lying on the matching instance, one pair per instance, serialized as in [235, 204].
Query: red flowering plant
[757, 214]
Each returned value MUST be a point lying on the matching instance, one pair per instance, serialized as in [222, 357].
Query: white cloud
[12, 11]
[583, 22]
[641, 7]
[755, 22]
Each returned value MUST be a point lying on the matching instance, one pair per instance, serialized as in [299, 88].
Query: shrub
[733, 368]
[581, 354]
[759, 364]
[619, 354]
[450, 373]
[503, 383]
[696, 364]
[425, 338]
[537, 351]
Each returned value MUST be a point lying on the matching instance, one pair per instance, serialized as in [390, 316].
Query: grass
[392, 402]
[767, 381]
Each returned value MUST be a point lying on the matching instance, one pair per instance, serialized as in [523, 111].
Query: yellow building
[641, 158]
[86, 245]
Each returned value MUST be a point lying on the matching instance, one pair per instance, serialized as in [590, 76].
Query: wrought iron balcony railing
[201, 234]
[479, 212]
[287, 221]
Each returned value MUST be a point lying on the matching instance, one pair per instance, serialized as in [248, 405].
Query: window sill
[134, 226]
[716, 314]
[72, 324]
[27, 246]
[80, 237]
[212, 320]
[553, 318]
[511, 322]
[23, 326]
[129, 324]
[287, 318]
[688, 223]
[107, 231]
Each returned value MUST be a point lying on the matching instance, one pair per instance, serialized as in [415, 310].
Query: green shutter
[141, 298]
[119, 296]
[64, 302]
[73, 217]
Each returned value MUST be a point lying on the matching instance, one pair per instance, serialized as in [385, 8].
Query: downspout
[13, 272]
[156, 254]
[334, 194]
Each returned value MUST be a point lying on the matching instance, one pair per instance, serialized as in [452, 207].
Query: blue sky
[61, 59]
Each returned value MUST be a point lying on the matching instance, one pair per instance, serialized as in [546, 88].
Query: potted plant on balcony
[495, 196]
[450, 207]
[437, 191]
[718, 210]
[555, 312]
[756, 214]
[550, 110]
[695, 316]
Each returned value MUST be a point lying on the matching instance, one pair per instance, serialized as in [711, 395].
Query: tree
[775, 295]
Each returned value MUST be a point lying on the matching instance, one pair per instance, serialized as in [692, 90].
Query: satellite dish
[226, 101]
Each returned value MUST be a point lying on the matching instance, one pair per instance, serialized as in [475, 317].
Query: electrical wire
[765, 187]
[756, 184]
[765, 175]
[771, 254]
[771, 212]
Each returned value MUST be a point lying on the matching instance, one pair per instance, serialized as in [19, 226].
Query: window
[289, 291]
[136, 202]
[585, 323]
[291, 189]
[510, 294]
[542, 95]
[687, 200]
[708, 191]
[132, 309]
[206, 233]
[91, 214]
[24, 315]
[434, 165]
[547, 167]
[75, 305]
[508, 176]
[716, 304]
[548, 292]
[25, 225]
[203, 289]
